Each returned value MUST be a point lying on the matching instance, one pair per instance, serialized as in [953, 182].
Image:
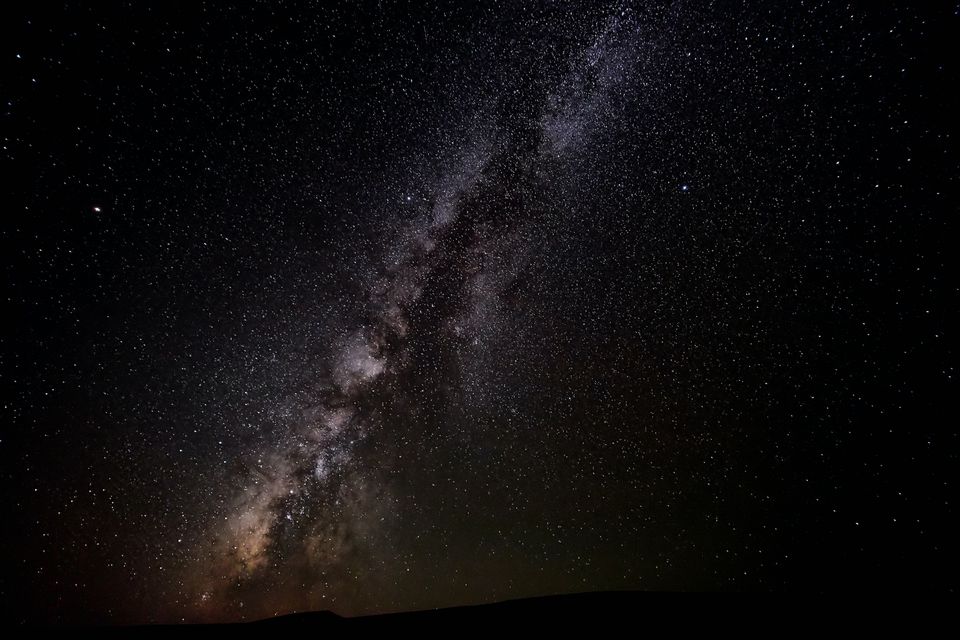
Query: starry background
[377, 307]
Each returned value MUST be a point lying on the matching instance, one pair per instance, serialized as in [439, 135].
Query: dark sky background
[377, 307]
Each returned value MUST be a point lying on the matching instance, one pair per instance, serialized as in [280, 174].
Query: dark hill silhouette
[578, 607]
[645, 612]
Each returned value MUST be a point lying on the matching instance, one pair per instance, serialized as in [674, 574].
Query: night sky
[380, 307]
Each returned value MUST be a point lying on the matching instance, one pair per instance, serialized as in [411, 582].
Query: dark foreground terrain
[571, 607]
[651, 612]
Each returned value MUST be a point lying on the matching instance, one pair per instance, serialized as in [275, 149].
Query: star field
[376, 307]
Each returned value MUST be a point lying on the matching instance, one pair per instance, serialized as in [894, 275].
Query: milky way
[305, 502]
[384, 308]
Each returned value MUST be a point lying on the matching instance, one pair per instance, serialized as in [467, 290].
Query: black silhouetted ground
[639, 612]
[572, 607]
